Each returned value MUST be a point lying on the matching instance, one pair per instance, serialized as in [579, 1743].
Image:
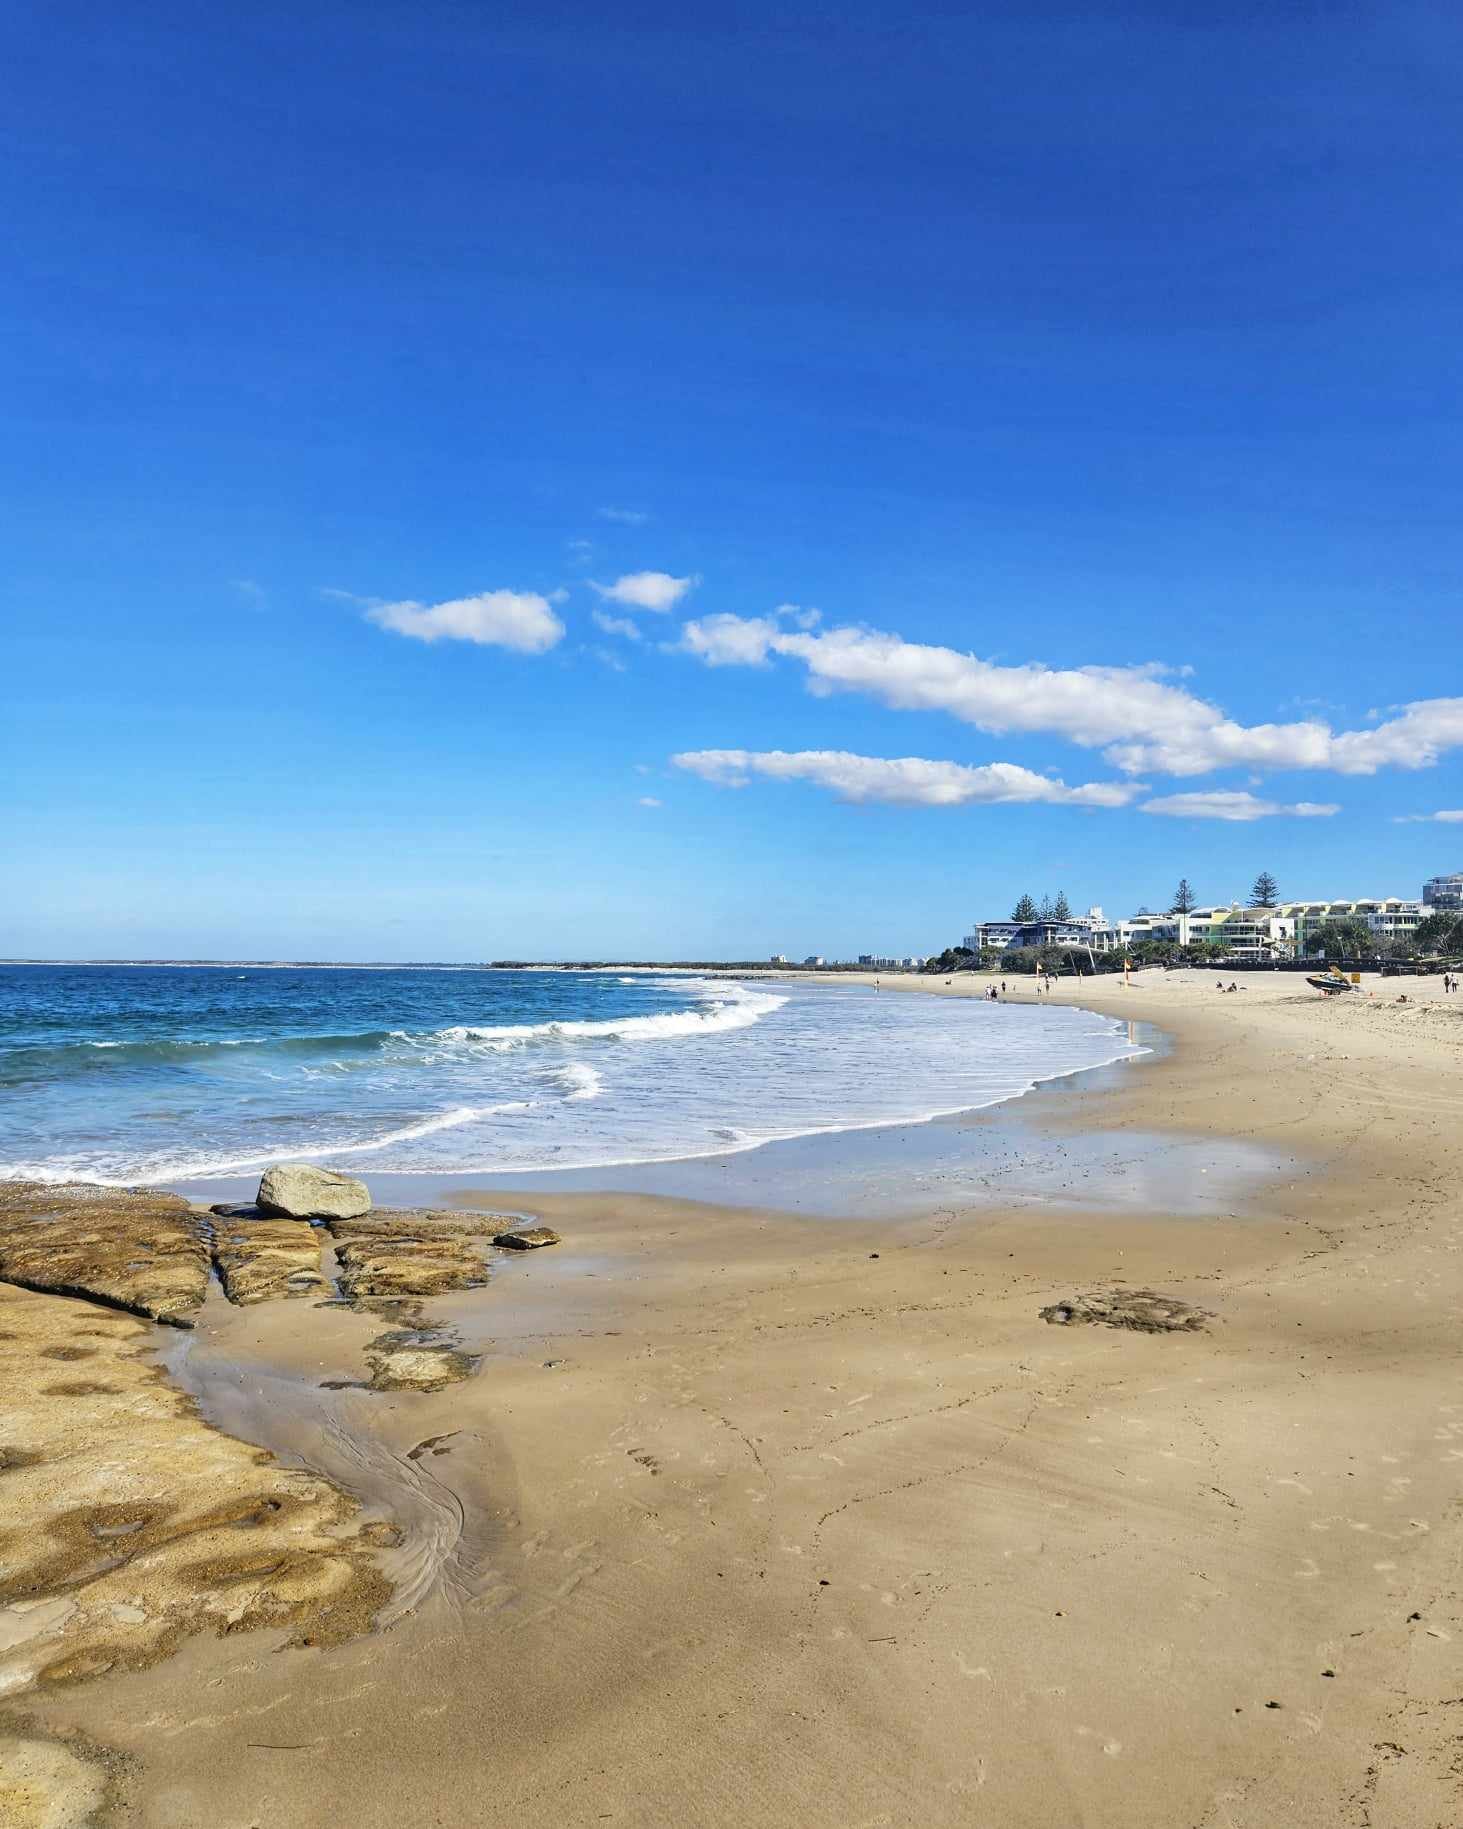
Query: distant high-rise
[1444, 891]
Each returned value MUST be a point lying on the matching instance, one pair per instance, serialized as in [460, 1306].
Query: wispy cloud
[1134, 714]
[1446, 816]
[648, 800]
[616, 625]
[521, 620]
[646, 590]
[901, 780]
[252, 592]
[624, 517]
[1233, 805]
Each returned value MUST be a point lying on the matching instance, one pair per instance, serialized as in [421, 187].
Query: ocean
[147, 1074]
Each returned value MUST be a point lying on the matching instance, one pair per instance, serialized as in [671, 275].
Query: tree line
[1264, 893]
[1046, 910]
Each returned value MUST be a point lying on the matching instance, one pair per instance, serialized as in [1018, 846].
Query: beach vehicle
[1329, 983]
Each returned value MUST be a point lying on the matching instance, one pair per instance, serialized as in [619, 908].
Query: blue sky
[1003, 345]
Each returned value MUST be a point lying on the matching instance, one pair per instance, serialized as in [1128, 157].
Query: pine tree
[1025, 910]
[1266, 891]
[1046, 908]
[1061, 910]
[1183, 897]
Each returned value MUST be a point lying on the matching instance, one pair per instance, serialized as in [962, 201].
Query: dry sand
[752, 1518]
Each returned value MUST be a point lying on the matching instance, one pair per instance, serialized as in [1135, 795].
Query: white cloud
[902, 780]
[1447, 816]
[1134, 714]
[1234, 805]
[624, 517]
[646, 590]
[648, 800]
[521, 620]
[799, 617]
[616, 625]
[731, 641]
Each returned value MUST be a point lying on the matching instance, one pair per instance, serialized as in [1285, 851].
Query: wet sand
[758, 1514]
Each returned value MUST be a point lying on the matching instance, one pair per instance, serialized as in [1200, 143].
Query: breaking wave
[129, 1075]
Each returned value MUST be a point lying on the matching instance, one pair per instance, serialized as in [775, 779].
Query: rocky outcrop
[265, 1260]
[128, 1523]
[298, 1190]
[147, 1253]
[526, 1238]
[1142, 1310]
[398, 1255]
[416, 1360]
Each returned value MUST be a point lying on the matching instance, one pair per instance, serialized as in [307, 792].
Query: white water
[723, 1067]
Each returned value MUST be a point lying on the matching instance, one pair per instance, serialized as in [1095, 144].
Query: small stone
[1142, 1310]
[527, 1238]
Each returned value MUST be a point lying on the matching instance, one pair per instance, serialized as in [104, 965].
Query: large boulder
[296, 1190]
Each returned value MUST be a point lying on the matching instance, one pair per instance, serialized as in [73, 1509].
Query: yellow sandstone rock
[138, 1251]
[127, 1523]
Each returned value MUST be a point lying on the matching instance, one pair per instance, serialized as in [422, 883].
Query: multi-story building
[1388, 917]
[1271, 933]
[1444, 891]
[1090, 929]
[1244, 933]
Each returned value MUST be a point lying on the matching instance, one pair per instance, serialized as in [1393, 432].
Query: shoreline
[675, 1173]
[779, 1520]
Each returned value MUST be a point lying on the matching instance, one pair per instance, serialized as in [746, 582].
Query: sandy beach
[757, 1515]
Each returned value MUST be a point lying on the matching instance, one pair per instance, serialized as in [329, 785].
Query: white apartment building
[1090, 929]
[1278, 932]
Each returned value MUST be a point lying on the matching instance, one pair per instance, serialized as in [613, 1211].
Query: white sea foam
[726, 1011]
[576, 1080]
[83, 1168]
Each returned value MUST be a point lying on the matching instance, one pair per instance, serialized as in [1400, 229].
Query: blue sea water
[140, 1074]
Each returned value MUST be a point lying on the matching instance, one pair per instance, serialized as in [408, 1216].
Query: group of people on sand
[1450, 983]
[1231, 986]
[994, 993]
